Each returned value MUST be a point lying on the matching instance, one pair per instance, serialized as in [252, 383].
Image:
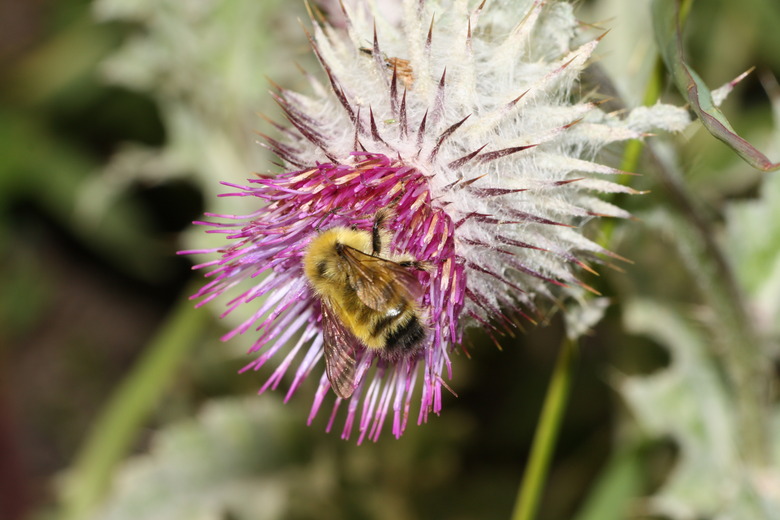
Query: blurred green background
[118, 119]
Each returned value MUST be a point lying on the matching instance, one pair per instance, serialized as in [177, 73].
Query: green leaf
[691, 403]
[233, 461]
[669, 39]
[205, 64]
[752, 242]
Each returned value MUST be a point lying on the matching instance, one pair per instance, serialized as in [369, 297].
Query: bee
[368, 297]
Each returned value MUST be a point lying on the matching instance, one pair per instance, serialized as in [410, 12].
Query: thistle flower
[466, 126]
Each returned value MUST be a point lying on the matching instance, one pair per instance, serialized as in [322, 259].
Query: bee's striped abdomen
[406, 337]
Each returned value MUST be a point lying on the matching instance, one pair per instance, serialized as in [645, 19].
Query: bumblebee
[368, 297]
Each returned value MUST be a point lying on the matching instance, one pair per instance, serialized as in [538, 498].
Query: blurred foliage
[710, 478]
[236, 460]
[119, 118]
[752, 239]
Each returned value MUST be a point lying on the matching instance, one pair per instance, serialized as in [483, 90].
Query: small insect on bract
[403, 68]
[368, 296]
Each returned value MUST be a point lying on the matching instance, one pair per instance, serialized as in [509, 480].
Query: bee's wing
[339, 346]
[377, 281]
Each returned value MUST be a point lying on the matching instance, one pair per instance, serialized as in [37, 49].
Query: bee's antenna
[322, 219]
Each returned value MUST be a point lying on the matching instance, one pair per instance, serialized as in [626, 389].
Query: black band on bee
[406, 338]
[389, 319]
[381, 324]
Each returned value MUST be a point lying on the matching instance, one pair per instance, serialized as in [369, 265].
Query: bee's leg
[415, 264]
[376, 232]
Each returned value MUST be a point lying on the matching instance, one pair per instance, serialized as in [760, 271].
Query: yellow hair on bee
[324, 268]
[323, 249]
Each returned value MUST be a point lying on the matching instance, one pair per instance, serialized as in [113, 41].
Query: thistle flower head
[464, 122]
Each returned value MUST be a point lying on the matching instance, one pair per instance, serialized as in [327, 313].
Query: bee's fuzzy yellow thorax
[321, 262]
[321, 256]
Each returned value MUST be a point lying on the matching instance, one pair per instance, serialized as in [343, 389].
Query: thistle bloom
[465, 125]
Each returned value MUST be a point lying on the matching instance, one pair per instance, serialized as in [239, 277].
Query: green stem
[128, 409]
[546, 433]
[633, 150]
